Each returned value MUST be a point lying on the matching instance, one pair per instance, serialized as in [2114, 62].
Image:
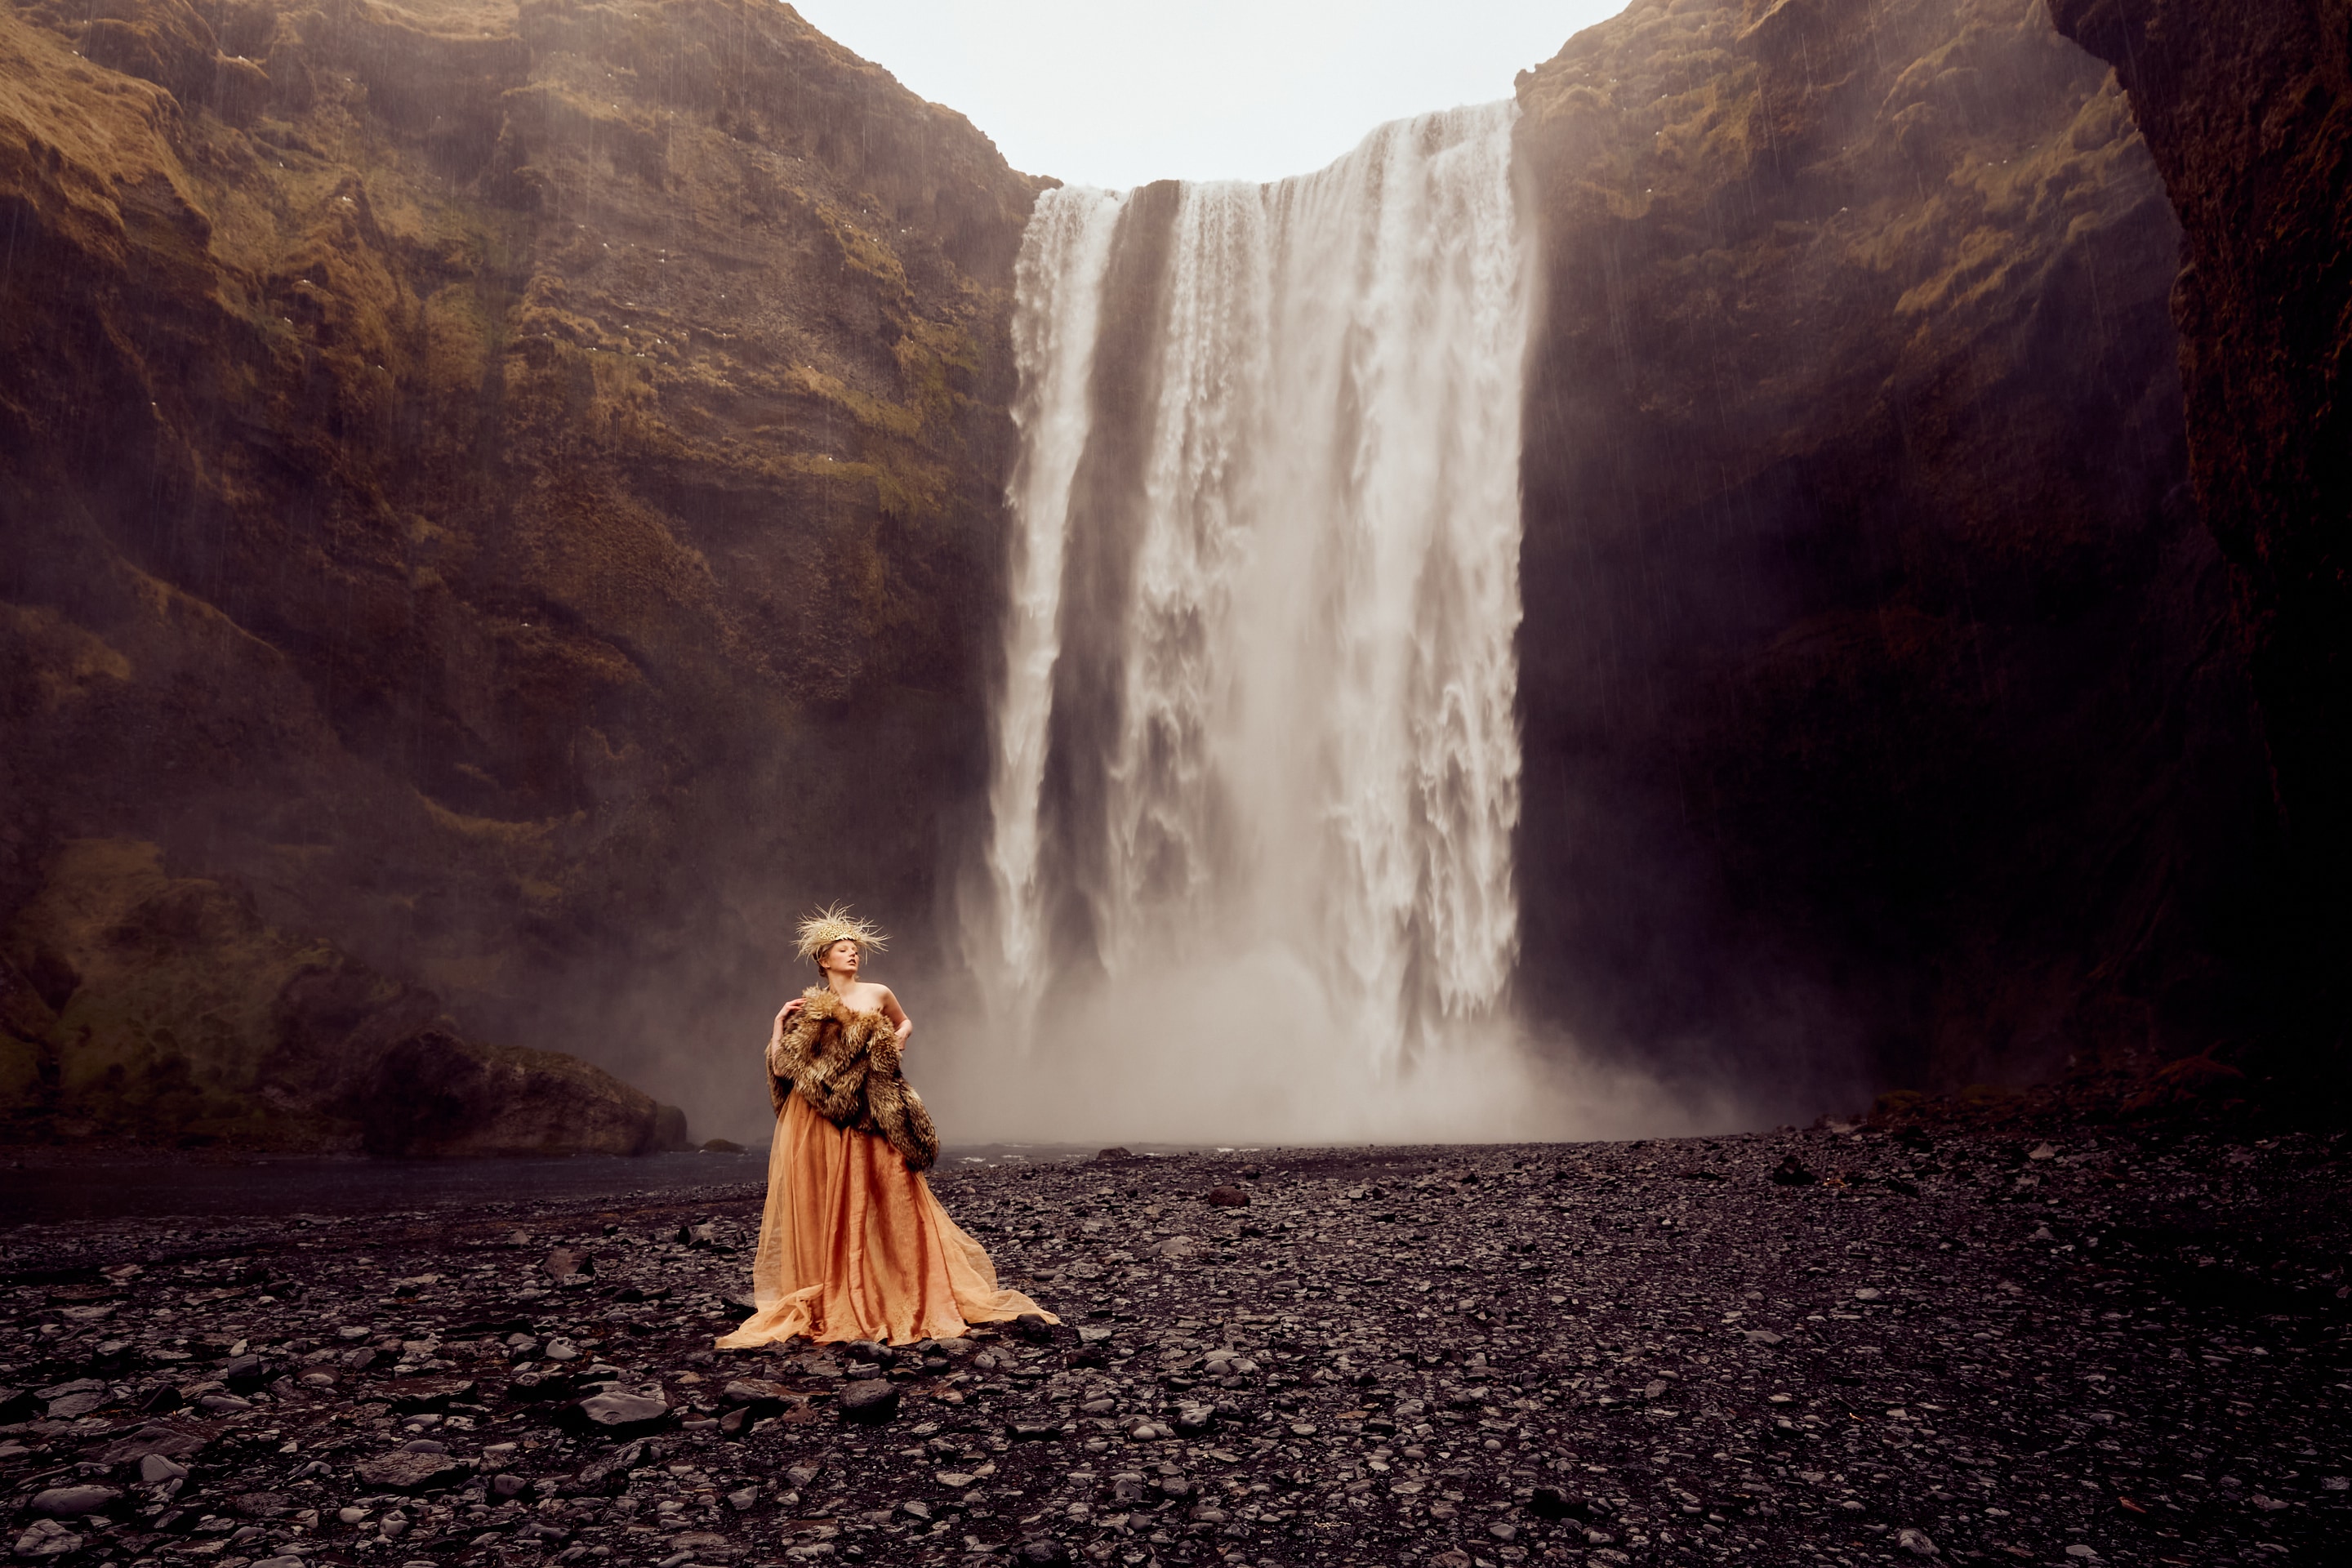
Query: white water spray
[1257, 766]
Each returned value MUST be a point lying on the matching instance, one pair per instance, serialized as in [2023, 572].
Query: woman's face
[842, 955]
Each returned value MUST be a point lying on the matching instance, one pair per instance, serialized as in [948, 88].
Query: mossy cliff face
[165, 1010]
[514, 490]
[2248, 110]
[1883, 709]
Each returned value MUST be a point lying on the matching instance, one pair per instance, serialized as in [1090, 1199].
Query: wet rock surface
[1860, 561]
[2096, 1347]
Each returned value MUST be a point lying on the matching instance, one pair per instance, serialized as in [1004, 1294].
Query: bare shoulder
[872, 997]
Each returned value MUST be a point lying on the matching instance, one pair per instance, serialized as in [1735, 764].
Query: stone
[758, 1394]
[868, 1400]
[1791, 1172]
[1228, 1197]
[46, 1538]
[1042, 1552]
[1866, 1294]
[72, 1502]
[402, 1471]
[1034, 1431]
[1194, 1419]
[154, 1469]
[1914, 1541]
[1178, 1249]
[617, 1414]
[245, 1373]
[169, 1442]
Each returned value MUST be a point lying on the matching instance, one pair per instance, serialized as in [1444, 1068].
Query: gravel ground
[1816, 1349]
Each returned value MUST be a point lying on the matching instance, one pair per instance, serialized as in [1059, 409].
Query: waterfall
[1256, 732]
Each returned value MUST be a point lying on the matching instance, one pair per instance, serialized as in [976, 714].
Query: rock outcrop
[143, 1007]
[2248, 110]
[1883, 700]
[516, 488]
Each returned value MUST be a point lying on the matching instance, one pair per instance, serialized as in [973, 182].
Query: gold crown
[833, 923]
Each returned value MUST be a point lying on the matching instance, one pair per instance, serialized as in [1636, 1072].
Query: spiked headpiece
[831, 924]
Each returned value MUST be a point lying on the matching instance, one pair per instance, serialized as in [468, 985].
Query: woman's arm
[897, 1015]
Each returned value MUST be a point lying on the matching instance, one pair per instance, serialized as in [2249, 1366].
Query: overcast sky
[1116, 92]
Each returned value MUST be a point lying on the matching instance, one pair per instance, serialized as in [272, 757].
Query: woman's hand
[791, 1007]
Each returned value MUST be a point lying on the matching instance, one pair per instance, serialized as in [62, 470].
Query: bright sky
[1116, 92]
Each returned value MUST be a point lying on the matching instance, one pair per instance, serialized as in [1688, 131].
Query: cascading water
[1257, 768]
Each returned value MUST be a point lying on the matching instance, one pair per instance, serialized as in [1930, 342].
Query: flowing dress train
[853, 1246]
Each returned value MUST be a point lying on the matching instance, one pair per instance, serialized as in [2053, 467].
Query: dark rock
[1550, 1502]
[154, 1469]
[45, 1539]
[616, 1414]
[168, 1442]
[871, 1399]
[1043, 1553]
[1194, 1419]
[1034, 1431]
[613, 1467]
[504, 1486]
[412, 1394]
[245, 1373]
[759, 1394]
[1032, 1329]
[1228, 1197]
[71, 1502]
[1115, 1152]
[1791, 1172]
[1787, 391]
[562, 1263]
[401, 1471]
[2245, 110]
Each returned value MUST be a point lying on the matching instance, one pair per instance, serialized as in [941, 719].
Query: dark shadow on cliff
[1886, 724]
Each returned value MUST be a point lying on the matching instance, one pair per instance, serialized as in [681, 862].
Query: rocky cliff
[507, 497]
[1885, 712]
[2248, 110]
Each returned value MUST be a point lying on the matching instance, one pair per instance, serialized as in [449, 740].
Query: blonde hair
[834, 923]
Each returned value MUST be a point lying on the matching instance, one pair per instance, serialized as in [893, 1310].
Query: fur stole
[846, 1064]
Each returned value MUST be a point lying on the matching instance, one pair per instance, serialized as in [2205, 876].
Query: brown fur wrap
[846, 1064]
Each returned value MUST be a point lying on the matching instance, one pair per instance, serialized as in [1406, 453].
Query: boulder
[869, 1399]
[72, 1502]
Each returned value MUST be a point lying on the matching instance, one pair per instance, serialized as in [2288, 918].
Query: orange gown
[853, 1246]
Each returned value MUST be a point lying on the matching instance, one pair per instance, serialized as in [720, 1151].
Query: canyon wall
[503, 505]
[507, 500]
[1886, 717]
[2248, 110]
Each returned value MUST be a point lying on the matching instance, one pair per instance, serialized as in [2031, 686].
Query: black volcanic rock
[2136, 1313]
[1883, 708]
[2248, 112]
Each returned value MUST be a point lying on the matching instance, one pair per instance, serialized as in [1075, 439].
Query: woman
[853, 1244]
